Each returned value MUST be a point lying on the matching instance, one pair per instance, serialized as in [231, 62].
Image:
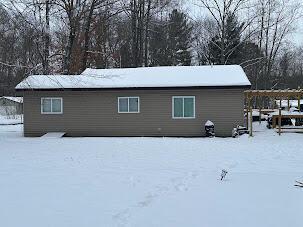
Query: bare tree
[220, 11]
[274, 24]
[141, 13]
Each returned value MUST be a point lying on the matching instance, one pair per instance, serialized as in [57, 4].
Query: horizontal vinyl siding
[95, 113]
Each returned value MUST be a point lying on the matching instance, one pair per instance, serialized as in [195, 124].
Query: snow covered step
[53, 135]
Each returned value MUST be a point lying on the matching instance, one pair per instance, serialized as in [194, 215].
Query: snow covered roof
[165, 76]
[15, 99]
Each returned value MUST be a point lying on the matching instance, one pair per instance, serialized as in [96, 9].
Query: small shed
[11, 105]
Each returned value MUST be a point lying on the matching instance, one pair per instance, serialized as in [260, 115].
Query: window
[128, 105]
[51, 105]
[184, 107]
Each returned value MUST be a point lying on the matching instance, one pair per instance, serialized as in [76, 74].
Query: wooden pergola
[286, 94]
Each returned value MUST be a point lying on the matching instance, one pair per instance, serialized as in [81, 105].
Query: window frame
[51, 112]
[183, 97]
[128, 112]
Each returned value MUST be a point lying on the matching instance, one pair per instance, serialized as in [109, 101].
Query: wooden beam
[280, 119]
[299, 104]
[274, 93]
[251, 122]
[247, 111]
[260, 110]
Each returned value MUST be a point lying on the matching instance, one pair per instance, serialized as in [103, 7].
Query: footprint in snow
[181, 187]
[176, 179]
[193, 174]
[162, 189]
[233, 165]
[134, 181]
[178, 185]
[148, 200]
[277, 157]
[122, 217]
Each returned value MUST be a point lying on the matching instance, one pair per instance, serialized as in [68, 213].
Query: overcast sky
[296, 37]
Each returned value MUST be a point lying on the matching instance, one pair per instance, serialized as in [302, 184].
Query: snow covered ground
[148, 182]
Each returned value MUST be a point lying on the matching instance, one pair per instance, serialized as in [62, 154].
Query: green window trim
[183, 107]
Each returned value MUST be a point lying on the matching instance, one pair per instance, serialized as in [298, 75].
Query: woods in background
[66, 36]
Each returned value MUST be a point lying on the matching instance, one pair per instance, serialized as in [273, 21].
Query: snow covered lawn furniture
[298, 121]
[272, 123]
[291, 129]
[285, 116]
[256, 116]
[239, 130]
[286, 124]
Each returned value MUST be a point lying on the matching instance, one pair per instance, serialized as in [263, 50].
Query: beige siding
[95, 113]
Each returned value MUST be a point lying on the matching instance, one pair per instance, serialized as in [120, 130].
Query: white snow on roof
[15, 99]
[170, 76]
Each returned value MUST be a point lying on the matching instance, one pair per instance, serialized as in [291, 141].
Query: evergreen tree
[158, 47]
[179, 39]
[226, 47]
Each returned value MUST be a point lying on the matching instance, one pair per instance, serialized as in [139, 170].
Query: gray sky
[296, 37]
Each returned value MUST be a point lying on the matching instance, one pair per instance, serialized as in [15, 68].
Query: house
[152, 101]
[11, 105]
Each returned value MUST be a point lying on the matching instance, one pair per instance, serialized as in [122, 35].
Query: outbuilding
[10, 105]
[150, 101]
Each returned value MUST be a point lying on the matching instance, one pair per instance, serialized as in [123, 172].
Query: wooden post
[274, 120]
[251, 123]
[260, 114]
[280, 103]
[247, 110]
[299, 104]
[280, 119]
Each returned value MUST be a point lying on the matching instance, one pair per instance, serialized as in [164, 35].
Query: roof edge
[135, 88]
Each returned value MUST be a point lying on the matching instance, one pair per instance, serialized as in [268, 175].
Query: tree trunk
[46, 39]
[71, 38]
[140, 31]
[147, 34]
[86, 35]
[134, 18]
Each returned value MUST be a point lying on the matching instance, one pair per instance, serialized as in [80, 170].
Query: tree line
[67, 36]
